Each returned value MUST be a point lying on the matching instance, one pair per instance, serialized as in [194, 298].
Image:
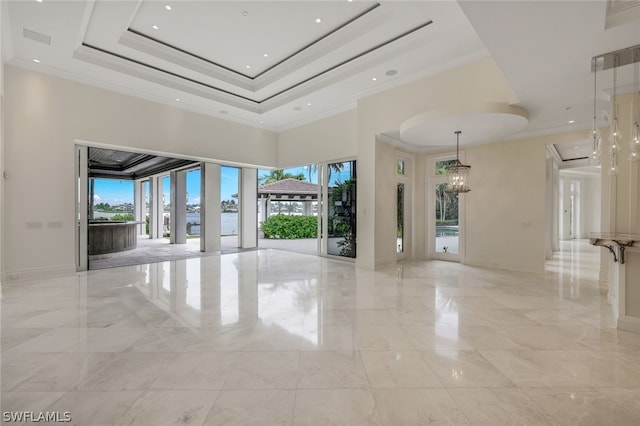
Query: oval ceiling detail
[479, 123]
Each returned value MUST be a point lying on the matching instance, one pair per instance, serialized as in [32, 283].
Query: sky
[116, 192]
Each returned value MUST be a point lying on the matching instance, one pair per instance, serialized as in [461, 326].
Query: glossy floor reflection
[269, 337]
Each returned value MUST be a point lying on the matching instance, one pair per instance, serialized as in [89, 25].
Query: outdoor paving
[160, 250]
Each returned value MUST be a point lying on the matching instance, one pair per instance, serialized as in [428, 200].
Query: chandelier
[458, 172]
[626, 56]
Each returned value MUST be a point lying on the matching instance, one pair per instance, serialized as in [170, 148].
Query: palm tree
[311, 168]
[279, 174]
[334, 167]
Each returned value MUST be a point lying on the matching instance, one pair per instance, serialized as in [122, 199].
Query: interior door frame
[81, 162]
[406, 179]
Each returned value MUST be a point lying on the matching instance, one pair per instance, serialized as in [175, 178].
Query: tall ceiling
[277, 65]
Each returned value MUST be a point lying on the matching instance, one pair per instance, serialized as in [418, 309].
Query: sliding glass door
[339, 219]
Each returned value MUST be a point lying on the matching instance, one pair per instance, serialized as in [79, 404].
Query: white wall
[385, 206]
[592, 205]
[45, 116]
[332, 138]
[505, 210]
[478, 81]
[2, 24]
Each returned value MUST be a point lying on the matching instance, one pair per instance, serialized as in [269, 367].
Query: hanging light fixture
[634, 145]
[458, 172]
[614, 136]
[596, 137]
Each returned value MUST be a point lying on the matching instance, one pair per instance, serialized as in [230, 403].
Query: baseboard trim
[36, 273]
[627, 323]
[385, 261]
[505, 265]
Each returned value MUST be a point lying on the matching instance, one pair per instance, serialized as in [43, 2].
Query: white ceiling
[200, 51]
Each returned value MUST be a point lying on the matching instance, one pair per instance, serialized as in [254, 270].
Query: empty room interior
[320, 212]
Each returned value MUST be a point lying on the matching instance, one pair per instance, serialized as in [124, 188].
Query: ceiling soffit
[479, 123]
[124, 165]
[357, 40]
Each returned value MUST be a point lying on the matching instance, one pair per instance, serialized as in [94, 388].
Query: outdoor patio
[160, 250]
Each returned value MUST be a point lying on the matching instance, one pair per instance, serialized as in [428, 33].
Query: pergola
[287, 190]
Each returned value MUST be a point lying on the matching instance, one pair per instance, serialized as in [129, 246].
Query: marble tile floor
[269, 337]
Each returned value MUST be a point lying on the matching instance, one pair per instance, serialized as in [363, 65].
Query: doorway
[446, 225]
[229, 207]
[136, 196]
[573, 197]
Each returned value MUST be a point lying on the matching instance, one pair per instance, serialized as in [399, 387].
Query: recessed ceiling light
[318, 20]
[308, 103]
[247, 66]
[266, 55]
[572, 121]
[262, 122]
[177, 99]
[373, 79]
[391, 72]
[37, 61]
[39, 1]
[168, 6]
[155, 27]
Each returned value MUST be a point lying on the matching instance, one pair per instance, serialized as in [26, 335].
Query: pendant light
[458, 172]
[634, 145]
[595, 137]
[614, 136]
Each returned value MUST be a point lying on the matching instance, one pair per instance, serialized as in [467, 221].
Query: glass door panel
[193, 203]
[166, 206]
[146, 190]
[229, 205]
[446, 221]
[341, 214]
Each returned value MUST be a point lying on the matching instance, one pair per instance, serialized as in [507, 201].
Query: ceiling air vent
[36, 36]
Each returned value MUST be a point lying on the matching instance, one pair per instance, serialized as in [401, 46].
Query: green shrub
[451, 222]
[125, 217]
[290, 227]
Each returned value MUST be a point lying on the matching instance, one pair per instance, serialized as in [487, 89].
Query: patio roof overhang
[287, 190]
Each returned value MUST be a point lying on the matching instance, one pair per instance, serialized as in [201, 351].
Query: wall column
[210, 227]
[263, 209]
[618, 221]
[248, 210]
[138, 205]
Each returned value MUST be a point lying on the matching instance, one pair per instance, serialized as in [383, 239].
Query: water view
[228, 223]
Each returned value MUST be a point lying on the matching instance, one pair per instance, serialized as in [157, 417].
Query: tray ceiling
[270, 64]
